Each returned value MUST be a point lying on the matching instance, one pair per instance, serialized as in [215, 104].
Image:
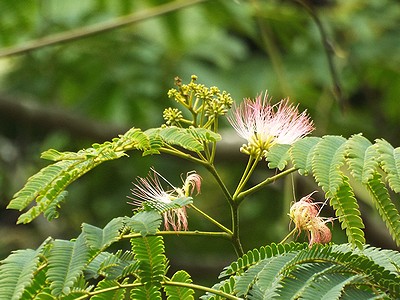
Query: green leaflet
[159, 206]
[191, 139]
[66, 260]
[227, 286]
[331, 285]
[254, 256]
[149, 252]
[278, 156]
[144, 222]
[178, 292]
[302, 152]
[98, 239]
[38, 289]
[390, 163]
[17, 271]
[347, 210]
[361, 157]
[327, 159]
[386, 209]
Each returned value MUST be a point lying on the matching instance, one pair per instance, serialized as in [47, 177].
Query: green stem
[288, 236]
[235, 238]
[216, 176]
[259, 186]
[172, 283]
[214, 144]
[223, 235]
[266, 36]
[201, 288]
[175, 152]
[211, 219]
[329, 51]
[245, 177]
[235, 229]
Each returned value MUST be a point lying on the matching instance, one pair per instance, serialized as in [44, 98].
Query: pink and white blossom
[263, 124]
[150, 192]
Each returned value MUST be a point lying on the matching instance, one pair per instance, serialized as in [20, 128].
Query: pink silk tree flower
[264, 125]
[305, 216]
[150, 192]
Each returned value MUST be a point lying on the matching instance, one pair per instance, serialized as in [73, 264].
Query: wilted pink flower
[319, 232]
[263, 124]
[149, 192]
[305, 216]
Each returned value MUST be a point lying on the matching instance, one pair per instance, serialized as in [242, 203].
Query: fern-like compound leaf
[181, 137]
[47, 187]
[38, 289]
[66, 261]
[361, 157]
[144, 222]
[330, 285]
[302, 152]
[300, 279]
[204, 135]
[319, 272]
[152, 264]
[327, 159]
[278, 156]
[192, 139]
[252, 257]
[97, 238]
[347, 210]
[386, 209]
[226, 286]
[112, 266]
[178, 292]
[390, 162]
[17, 271]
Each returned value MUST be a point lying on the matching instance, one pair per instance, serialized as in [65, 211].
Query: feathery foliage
[87, 267]
[152, 265]
[46, 187]
[322, 272]
[67, 259]
[346, 208]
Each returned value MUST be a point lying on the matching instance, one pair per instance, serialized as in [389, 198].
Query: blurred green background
[69, 95]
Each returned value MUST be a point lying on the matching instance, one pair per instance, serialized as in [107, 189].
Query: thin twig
[223, 235]
[262, 184]
[337, 88]
[83, 32]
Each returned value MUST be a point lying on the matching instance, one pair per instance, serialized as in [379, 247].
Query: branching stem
[262, 184]
[83, 32]
[211, 219]
[172, 283]
[223, 235]
[288, 236]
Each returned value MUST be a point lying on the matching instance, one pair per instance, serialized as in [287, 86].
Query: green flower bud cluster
[201, 101]
[257, 147]
[172, 116]
[219, 104]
